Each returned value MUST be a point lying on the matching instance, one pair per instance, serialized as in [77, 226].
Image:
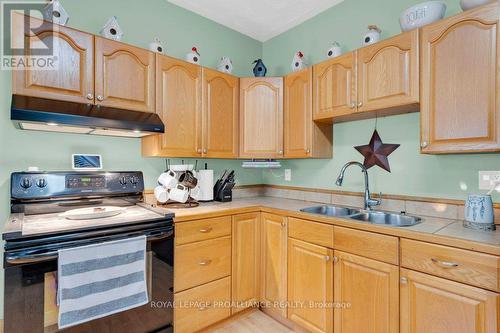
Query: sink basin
[331, 211]
[390, 219]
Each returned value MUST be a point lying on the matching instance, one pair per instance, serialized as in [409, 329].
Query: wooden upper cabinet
[372, 289]
[124, 76]
[273, 285]
[460, 83]
[73, 78]
[310, 285]
[388, 73]
[302, 136]
[178, 91]
[334, 87]
[261, 117]
[431, 304]
[220, 114]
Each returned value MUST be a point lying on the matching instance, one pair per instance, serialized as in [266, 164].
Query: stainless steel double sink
[375, 217]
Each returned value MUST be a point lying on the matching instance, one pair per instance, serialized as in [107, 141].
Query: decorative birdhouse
[193, 56]
[372, 35]
[112, 29]
[298, 62]
[334, 51]
[55, 12]
[259, 69]
[156, 46]
[225, 65]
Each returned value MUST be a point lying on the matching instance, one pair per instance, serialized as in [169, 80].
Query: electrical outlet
[288, 175]
[488, 178]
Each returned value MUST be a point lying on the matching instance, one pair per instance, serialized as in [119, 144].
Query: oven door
[30, 292]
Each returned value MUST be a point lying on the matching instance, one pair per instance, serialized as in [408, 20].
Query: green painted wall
[450, 176]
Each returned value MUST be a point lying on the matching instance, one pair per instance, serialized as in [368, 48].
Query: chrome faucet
[369, 201]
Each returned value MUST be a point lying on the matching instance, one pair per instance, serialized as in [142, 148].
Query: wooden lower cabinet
[366, 295]
[274, 263]
[434, 305]
[245, 261]
[310, 286]
[202, 306]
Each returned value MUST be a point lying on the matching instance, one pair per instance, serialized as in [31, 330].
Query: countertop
[431, 229]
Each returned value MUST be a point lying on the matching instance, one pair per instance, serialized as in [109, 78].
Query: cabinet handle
[100, 98]
[445, 264]
[360, 104]
[90, 96]
[424, 144]
[203, 308]
[403, 280]
[206, 230]
[335, 259]
[205, 262]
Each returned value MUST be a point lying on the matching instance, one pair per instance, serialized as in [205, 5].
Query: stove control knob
[123, 180]
[26, 183]
[41, 183]
[134, 180]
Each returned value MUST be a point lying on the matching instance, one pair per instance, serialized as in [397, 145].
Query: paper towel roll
[206, 184]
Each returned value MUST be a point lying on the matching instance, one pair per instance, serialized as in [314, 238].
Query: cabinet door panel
[246, 260]
[310, 286]
[388, 73]
[261, 117]
[220, 114]
[73, 78]
[434, 305]
[371, 288]
[460, 106]
[178, 85]
[334, 87]
[125, 76]
[274, 263]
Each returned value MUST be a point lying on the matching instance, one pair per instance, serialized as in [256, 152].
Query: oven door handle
[28, 257]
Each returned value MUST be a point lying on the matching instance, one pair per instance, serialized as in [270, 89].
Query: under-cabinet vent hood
[40, 114]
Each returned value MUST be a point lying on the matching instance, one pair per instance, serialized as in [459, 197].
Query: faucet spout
[369, 201]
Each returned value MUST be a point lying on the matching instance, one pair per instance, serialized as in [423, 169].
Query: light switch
[288, 175]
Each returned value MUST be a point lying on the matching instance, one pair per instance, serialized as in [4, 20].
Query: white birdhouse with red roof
[193, 56]
[298, 62]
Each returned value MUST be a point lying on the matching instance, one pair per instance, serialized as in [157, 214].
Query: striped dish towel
[98, 280]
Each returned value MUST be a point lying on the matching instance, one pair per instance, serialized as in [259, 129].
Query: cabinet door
[246, 261]
[434, 305]
[334, 87]
[388, 73]
[274, 263]
[261, 117]
[178, 90]
[220, 114]
[73, 78]
[124, 76]
[369, 292]
[460, 104]
[310, 286]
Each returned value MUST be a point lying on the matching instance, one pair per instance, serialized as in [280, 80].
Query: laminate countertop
[434, 230]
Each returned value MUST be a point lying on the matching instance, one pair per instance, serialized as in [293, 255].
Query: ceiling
[259, 19]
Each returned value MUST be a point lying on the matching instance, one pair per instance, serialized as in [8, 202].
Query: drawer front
[201, 262]
[195, 231]
[367, 244]
[312, 232]
[478, 269]
[202, 306]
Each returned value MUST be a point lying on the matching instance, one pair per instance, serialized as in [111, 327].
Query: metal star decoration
[376, 152]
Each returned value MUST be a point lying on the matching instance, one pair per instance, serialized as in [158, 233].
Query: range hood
[40, 114]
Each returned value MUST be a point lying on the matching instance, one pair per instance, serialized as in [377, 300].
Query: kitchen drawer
[312, 232]
[202, 306]
[367, 244]
[194, 231]
[201, 262]
[478, 269]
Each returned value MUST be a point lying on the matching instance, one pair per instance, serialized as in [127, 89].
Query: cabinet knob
[327, 258]
[90, 96]
[353, 105]
[205, 151]
[100, 98]
[199, 150]
[424, 144]
[205, 262]
[335, 259]
[308, 151]
[403, 280]
[283, 224]
[280, 152]
[360, 104]
[204, 307]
